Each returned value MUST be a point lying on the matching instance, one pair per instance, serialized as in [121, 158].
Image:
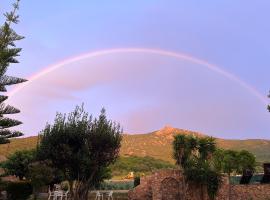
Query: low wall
[168, 185]
[251, 192]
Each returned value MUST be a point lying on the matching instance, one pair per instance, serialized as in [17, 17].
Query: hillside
[156, 144]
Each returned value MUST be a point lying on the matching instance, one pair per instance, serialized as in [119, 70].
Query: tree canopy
[17, 164]
[82, 147]
[230, 161]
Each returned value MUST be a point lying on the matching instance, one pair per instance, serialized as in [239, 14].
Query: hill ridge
[156, 144]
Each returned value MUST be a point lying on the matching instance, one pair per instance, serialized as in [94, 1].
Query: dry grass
[156, 144]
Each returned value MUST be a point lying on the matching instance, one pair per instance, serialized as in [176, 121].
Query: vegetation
[18, 163]
[195, 156]
[138, 165]
[155, 146]
[82, 148]
[230, 161]
[8, 54]
[41, 173]
[18, 191]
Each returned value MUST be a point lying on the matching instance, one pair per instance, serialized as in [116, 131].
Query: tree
[183, 148]
[230, 161]
[195, 157]
[247, 161]
[18, 163]
[8, 54]
[81, 147]
[40, 174]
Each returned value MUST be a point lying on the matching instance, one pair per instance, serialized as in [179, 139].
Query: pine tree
[8, 54]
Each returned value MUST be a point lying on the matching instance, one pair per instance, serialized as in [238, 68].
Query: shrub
[19, 190]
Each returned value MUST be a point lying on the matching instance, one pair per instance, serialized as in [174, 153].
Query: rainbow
[160, 52]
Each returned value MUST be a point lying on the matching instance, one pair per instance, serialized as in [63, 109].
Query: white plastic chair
[65, 195]
[58, 193]
[51, 193]
[57, 187]
[110, 195]
[99, 195]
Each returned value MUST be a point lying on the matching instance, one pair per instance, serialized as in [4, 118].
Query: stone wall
[251, 192]
[169, 185]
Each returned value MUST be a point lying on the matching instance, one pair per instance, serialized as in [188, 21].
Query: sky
[146, 90]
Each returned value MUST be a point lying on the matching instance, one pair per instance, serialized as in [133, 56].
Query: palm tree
[194, 156]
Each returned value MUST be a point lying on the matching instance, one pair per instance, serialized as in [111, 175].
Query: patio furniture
[50, 193]
[57, 187]
[110, 195]
[99, 195]
[58, 193]
[65, 195]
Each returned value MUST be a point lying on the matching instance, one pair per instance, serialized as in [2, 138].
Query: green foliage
[137, 181]
[195, 157]
[230, 161]
[18, 190]
[183, 148]
[138, 165]
[8, 54]
[18, 163]
[81, 147]
[247, 161]
[41, 173]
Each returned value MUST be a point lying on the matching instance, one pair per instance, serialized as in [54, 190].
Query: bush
[19, 190]
[137, 181]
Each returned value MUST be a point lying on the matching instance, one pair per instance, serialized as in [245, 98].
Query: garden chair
[50, 193]
[65, 195]
[110, 195]
[57, 187]
[58, 195]
[99, 195]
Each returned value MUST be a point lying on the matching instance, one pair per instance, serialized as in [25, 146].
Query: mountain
[157, 145]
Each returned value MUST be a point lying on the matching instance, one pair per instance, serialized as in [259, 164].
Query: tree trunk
[80, 191]
[81, 188]
[71, 189]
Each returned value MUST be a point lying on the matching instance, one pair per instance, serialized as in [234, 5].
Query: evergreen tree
[8, 54]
